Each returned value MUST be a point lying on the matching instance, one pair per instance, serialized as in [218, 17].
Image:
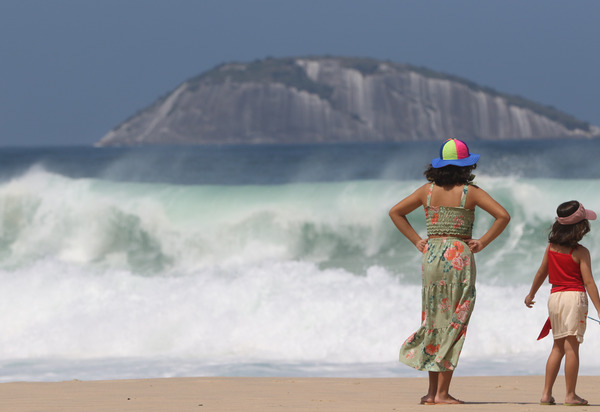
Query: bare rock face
[329, 99]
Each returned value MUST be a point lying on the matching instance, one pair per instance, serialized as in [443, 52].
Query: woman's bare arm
[480, 198]
[404, 207]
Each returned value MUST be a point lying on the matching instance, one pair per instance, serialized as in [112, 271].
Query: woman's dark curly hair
[450, 175]
[568, 235]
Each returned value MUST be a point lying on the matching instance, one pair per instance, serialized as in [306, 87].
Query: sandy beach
[506, 393]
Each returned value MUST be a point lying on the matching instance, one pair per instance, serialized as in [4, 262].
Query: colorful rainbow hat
[454, 152]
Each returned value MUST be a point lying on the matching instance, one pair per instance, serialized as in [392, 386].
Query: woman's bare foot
[450, 400]
[428, 400]
[575, 401]
[547, 401]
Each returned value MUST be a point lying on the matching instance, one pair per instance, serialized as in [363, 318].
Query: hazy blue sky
[73, 69]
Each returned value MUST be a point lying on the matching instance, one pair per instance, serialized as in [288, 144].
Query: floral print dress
[448, 293]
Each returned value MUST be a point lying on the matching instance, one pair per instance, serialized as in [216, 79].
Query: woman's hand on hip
[475, 245]
[421, 245]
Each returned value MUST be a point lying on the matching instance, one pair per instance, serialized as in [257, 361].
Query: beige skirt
[568, 314]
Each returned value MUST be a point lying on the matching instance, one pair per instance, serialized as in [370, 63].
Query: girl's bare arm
[538, 280]
[585, 264]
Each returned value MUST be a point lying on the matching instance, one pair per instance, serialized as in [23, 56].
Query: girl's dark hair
[568, 235]
[450, 175]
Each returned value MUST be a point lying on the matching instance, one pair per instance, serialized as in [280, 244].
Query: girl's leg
[433, 384]
[442, 395]
[552, 368]
[572, 370]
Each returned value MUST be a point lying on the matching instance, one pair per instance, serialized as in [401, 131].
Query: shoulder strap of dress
[463, 198]
[429, 194]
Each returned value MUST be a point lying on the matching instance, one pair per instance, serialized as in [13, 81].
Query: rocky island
[334, 100]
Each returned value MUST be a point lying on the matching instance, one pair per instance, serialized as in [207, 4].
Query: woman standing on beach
[448, 294]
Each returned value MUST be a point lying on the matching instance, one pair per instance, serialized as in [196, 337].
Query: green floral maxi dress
[448, 293]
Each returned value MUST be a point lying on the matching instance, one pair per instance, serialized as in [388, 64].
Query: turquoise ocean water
[261, 261]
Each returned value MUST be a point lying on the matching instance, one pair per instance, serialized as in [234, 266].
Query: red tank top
[563, 273]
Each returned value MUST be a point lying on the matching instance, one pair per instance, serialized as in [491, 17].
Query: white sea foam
[103, 279]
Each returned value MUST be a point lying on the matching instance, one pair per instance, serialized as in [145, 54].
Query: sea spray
[106, 277]
[162, 229]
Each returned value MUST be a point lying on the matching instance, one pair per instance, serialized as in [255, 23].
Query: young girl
[568, 266]
[448, 293]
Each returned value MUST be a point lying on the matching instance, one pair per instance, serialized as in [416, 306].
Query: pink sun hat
[577, 216]
[454, 152]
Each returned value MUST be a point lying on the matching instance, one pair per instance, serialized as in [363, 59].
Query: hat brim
[590, 214]
[467, 161]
